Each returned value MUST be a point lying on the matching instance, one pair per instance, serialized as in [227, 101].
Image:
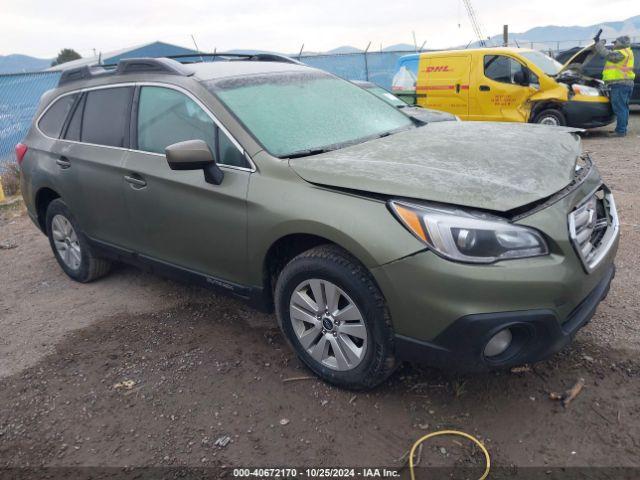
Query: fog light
[498, 343]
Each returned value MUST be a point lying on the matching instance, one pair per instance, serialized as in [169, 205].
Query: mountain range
[559, 37]
[550, 36]
[16, 63]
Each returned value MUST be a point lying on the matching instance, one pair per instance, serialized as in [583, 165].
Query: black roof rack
[125, 66]
[81, 73]
[223, 56]
[152, 65]
[166, 65]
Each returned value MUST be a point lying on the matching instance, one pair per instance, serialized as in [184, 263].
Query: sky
[41, 28]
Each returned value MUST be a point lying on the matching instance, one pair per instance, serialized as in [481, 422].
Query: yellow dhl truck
[506, 85]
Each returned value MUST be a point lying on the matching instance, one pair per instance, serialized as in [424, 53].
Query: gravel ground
[135, 370]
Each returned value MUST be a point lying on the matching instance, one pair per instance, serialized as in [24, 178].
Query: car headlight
[585, 90]
[476, 238]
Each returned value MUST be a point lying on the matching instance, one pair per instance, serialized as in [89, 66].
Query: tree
[66, 55]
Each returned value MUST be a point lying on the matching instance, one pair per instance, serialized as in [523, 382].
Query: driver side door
[179, 219]
[500, 97]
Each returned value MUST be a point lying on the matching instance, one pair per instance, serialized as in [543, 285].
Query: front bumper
[538, 334]
[588, 114]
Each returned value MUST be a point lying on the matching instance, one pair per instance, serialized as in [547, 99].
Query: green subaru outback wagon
[375, 237]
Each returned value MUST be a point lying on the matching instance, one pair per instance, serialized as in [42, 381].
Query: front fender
[281, 204]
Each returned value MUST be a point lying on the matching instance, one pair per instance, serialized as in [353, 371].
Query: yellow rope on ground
[450, 432]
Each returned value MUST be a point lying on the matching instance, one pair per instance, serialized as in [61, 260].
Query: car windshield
[545, 63]
[388, 97]
[303, 113]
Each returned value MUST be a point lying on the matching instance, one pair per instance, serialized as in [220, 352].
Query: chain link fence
[376, 67]
[19, 97]
[554, 47]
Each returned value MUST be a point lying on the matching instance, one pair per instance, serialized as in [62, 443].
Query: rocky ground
[136, 370]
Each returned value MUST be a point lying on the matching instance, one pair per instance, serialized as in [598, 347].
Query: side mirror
[521, 77]
[194, 155]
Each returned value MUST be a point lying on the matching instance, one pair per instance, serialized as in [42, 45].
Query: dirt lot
[203, 367]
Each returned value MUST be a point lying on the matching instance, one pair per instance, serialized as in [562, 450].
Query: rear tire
[71, 247]
[552, 117]
[346, 337]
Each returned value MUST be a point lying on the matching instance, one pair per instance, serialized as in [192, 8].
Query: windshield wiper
[337, 146]
[307, 152]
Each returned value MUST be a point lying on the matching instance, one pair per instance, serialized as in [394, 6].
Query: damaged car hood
[579, 59]
[494, 166]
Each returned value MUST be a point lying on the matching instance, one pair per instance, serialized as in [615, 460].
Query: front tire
[71, 247]
[335, 318]
[552, 117]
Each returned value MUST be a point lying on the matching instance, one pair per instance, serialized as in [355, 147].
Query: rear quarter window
[52, 121]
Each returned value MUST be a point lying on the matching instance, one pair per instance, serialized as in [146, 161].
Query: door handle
[63, 163]
[457, 88]
[135, 181]
[485, 88]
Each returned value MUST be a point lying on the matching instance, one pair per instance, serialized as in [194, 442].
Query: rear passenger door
[94, 142]
[178, 217]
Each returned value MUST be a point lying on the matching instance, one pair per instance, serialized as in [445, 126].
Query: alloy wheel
[328, 324]
[553, 121]
[66, 241]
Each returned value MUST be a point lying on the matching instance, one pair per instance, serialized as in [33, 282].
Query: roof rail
[251, 57]
[126, 66]
[81, 73]
[152, 65]
[167, 65]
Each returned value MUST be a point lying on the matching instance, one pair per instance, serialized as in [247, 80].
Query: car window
[387, 96]
[166, 116]
[73, 130]
[228, 153]
[106, 116]
[501, 68]
[52, 121]
[545, 63]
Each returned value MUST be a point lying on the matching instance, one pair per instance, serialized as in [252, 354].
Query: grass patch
[10, 180]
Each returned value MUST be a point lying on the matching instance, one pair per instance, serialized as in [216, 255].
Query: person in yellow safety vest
[618, 75]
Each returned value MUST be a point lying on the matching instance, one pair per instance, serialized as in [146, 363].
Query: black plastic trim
[588, 114]
[254, 296]
[540, 334]
[82, 73]
[162, 65]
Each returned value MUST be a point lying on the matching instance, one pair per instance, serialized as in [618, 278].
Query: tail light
[21, 150]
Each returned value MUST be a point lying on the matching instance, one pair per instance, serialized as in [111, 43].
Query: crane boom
[474, 22]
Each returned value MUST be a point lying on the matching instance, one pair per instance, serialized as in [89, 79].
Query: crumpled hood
[494, 166]
[580, 58]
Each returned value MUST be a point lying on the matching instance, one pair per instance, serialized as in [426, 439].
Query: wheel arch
[44, 196]
[286, 246]
[542, 105]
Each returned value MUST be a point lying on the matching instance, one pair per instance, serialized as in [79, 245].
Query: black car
[593, 68]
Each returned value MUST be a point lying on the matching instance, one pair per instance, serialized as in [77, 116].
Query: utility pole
[505, 36]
